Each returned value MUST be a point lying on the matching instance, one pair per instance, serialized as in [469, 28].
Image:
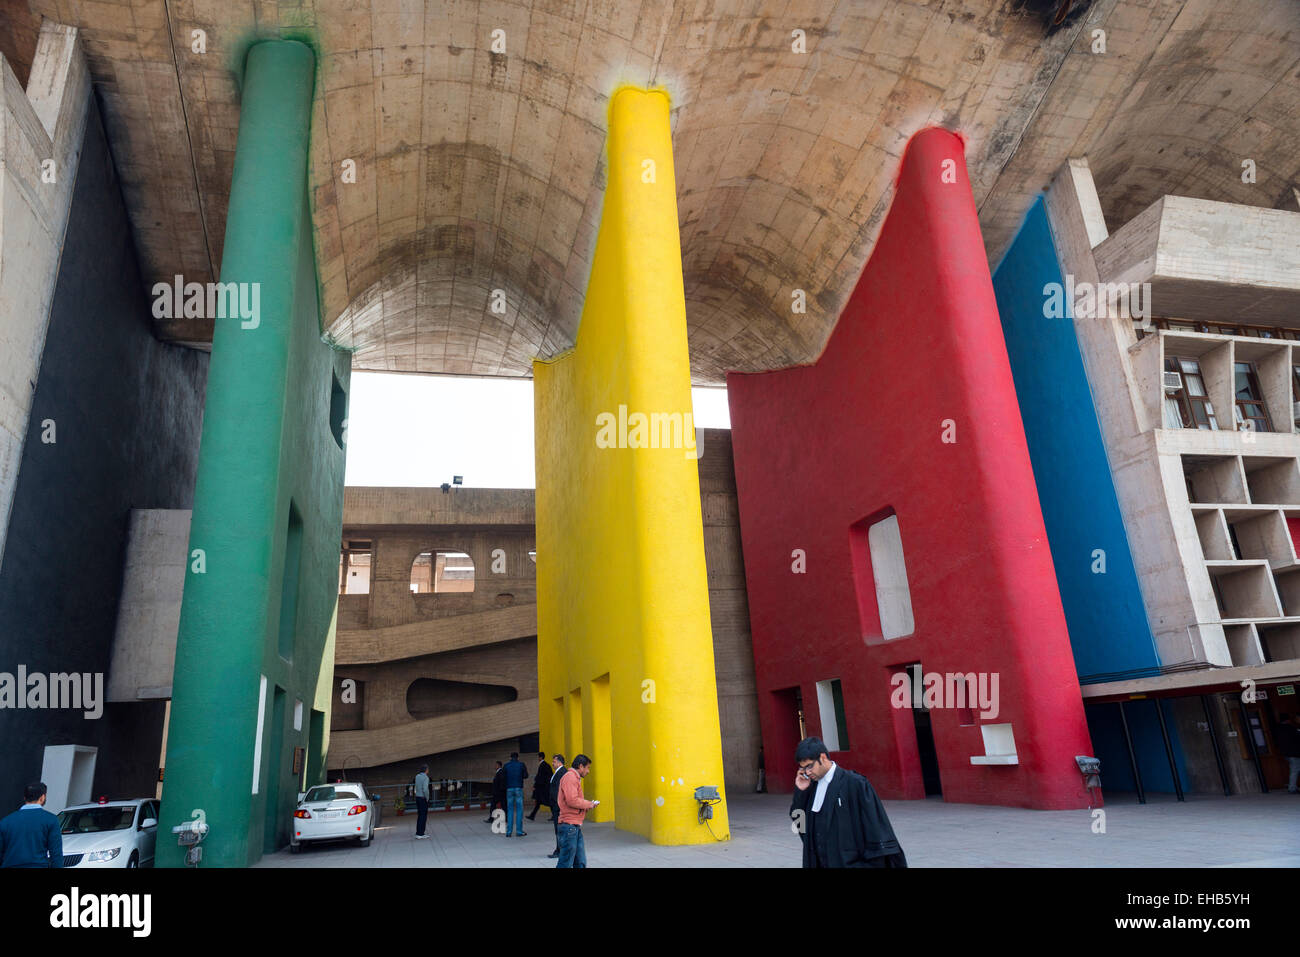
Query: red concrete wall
[819, 448]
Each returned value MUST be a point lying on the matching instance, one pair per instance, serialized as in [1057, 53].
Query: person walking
[558, 771]
[498, 792]
[516, 775]
[573, 810]
[30, 836]
[541, 785]
[840, 820]
[421, 801]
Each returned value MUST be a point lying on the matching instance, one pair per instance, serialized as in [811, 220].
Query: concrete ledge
[396, 642]
[1192, 682]
[396, 507]
[375, 746]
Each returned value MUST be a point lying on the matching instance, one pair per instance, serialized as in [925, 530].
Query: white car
[331, 812]
[112, 834]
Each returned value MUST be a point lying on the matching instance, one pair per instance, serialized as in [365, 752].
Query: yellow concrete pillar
[622, 593]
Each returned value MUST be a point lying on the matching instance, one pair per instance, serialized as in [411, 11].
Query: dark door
[925, 740]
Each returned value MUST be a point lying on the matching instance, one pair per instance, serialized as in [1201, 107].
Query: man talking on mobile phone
[838, 815]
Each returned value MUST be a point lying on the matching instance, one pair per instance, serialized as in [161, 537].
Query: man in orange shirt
[573, 809]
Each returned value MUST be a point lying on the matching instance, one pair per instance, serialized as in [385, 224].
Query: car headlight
[103, 855]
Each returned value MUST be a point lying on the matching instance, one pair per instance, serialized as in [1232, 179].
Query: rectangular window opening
[880, 572]
[830, 702]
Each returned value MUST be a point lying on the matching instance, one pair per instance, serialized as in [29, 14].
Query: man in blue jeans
[516, 774]
[421, 802]
[573, 810]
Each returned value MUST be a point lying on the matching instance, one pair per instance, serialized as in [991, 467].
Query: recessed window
[1227, 329]
[1187, 402]
[830, 702]
[889, 574]
[1295, 394]
[289, 584]
[442, 571]
[354, 568]
[1249, 398]
[338, 409]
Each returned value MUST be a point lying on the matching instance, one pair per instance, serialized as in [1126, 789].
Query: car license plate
[331, 815]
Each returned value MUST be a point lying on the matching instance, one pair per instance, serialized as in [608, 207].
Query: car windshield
[88, 819]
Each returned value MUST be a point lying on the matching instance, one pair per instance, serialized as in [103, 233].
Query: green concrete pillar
[260, 591]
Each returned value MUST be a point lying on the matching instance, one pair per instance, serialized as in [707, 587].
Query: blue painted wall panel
[1153, 764]
[1109, 633]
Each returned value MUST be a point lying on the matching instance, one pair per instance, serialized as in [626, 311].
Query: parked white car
[112, 834]
[330, 812]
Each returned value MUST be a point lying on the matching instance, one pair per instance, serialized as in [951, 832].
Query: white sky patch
[420, 430]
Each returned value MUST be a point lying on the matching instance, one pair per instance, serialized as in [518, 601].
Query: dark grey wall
[127, 410]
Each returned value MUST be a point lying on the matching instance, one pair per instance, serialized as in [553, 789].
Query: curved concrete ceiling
[481, 171]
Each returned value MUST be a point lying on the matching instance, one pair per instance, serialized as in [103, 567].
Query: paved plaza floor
[1254, 830]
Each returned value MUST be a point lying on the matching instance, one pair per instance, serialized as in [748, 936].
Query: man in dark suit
[838, 815]
[30, 836]
[558, 771]
[541, 785]
[498, 791]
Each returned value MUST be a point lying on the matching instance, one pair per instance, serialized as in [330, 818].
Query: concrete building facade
[1184, 320]
[105, 420]
[622, 200]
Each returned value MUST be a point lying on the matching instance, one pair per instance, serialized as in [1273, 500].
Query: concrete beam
[1193, 682]
[394, 507]
[435, 635]
[430, 736]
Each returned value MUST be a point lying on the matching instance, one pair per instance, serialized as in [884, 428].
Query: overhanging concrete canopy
[480, 171]
[1213, 261]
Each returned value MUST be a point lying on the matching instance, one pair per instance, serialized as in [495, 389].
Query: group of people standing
[554, 786]
[508, 791]
[836, 812]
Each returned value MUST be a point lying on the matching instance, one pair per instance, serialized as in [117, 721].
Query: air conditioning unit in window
[1173, 382]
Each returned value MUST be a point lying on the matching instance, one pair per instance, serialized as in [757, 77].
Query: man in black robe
[498, 792]
[838, 815]
[541, 785]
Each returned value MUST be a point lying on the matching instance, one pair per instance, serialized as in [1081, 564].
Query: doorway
[925, 748]
[782, 733]
[1261, 721]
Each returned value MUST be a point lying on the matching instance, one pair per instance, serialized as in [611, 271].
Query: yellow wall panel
[623, 604]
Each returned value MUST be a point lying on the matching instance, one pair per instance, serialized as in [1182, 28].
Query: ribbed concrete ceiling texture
[478, 171]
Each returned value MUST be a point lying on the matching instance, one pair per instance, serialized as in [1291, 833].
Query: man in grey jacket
[421, 801]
